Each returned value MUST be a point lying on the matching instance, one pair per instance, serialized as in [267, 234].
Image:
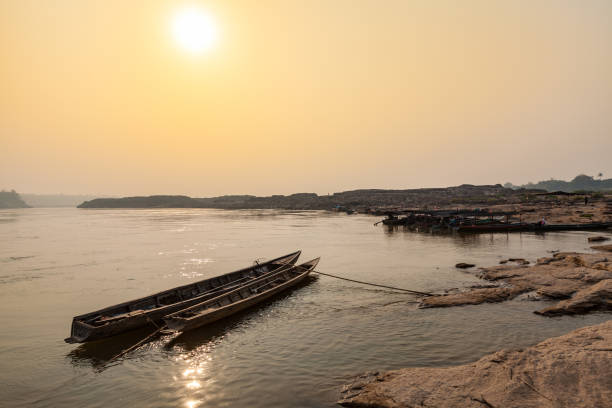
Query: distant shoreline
[355, 200]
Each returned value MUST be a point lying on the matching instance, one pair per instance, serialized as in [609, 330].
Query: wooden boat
[239, 299]
[137, 313]
[392, 221]
[537, 227]
[496, 227]
[571, 227]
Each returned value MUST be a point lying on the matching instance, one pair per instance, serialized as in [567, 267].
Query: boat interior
[249, 290]
[207, 287]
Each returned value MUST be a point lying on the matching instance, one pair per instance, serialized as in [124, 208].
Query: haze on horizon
[302, 96]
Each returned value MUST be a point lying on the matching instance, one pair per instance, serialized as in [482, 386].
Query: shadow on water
[476, 240]
[467, 239]
[462, 240]
[98, 354]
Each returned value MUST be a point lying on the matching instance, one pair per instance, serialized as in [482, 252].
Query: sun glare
[194, 30]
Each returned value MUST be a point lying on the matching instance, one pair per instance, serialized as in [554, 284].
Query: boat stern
[79, 332]
[175, 323]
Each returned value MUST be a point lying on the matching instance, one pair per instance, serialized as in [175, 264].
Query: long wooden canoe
[520, 227]
[239, 299]
[137, 313]
[495, 227]
[571, 227]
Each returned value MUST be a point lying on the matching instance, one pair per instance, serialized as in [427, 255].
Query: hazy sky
[293, 96]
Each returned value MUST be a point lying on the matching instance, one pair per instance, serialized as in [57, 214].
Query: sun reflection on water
[192, 403]
[193, 379]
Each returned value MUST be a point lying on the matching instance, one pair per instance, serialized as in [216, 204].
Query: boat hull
[572, 227]
[493, 228]
[181, 324]
[532, 227]
[137, 315]
[397, 221]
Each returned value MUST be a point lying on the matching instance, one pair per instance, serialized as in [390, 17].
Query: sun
[194, 30]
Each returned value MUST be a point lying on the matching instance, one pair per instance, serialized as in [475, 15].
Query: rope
[416, 292]
[141, 342]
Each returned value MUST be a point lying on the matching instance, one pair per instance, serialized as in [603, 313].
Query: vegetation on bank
[580, 183]
[10, 199]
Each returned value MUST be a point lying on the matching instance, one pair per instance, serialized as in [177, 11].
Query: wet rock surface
[581, 281]
[574, 370]
[463, 265]
[598, 296]
[605, 248]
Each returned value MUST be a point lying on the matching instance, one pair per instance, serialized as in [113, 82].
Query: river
[294, 351]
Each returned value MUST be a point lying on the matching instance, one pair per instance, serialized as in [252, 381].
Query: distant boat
[239, 299]
[396, 221]
[494, 227]
[141, 312]
[571, 227]
[537, 227]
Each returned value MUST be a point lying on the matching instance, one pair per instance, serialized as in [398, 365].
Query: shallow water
[296, 350]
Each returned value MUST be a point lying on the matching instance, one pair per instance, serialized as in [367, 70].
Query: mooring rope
[416, 292]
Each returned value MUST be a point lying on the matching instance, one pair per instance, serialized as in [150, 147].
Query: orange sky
[317, 96]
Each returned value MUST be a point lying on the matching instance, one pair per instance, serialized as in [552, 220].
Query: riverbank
[532, 205]
[582, 282]
[539, 213]
[364, 200]
[572, 370]
[561, 210]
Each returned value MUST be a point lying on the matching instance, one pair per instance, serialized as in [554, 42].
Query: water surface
[294, 351]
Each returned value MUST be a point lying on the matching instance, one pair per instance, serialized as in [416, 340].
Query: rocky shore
[574, 370]
[561, 210]
[581, 282]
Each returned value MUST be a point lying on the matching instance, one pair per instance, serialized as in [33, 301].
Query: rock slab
[580, 281]
[574, 370]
